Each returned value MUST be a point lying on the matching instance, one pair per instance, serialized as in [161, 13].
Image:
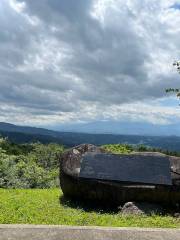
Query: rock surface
[113, 192]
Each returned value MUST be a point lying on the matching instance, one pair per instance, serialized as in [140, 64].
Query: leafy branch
[175, 90]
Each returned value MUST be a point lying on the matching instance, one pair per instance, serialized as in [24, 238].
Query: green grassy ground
[47, 206]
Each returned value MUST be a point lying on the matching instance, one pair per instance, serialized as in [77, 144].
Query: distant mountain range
[23, 134]
[123, 127]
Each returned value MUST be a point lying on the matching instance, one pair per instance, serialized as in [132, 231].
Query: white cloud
[17, 6]
[86, 60]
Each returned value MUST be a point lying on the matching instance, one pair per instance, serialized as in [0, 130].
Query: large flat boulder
[101, 186]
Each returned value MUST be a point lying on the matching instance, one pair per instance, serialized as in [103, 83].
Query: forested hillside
[18, 134]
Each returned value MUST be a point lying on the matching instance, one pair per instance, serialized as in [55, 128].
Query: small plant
[118, 148]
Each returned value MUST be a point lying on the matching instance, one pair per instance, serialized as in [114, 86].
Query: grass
[47, 206]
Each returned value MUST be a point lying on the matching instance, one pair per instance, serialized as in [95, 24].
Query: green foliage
[177, 65]
[42, 206]
[118, 148]
[37, 168]
[47, 156]
[125, 148]
[143, 148]
[15, 149]
[175, 90]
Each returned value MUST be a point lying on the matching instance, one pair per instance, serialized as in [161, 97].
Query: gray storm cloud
[62, 56]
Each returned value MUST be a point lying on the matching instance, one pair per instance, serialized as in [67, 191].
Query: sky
[67, 61]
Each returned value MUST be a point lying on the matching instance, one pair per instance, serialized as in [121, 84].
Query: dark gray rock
[141, 208]
[126, 168]
[115, 192]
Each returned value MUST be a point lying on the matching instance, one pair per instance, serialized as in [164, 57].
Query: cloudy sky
[67, 61]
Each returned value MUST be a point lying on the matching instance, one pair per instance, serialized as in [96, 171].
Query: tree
[175, 90]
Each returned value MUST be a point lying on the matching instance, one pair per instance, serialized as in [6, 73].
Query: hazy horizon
[105, 127]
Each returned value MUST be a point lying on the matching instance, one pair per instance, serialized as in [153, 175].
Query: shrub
[118, 148]
[37, 169]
